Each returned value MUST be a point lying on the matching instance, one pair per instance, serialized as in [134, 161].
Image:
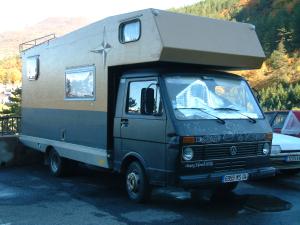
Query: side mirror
[147, 101]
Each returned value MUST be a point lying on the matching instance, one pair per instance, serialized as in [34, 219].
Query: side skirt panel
[89, 155]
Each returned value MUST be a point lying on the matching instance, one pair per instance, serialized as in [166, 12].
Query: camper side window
[80, 83]
[130, 31]
[32, 67]
[136, 98]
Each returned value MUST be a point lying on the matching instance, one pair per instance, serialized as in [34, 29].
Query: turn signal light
[269, 136]
[189, 140]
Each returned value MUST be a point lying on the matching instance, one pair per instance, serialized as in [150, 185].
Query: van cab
[191, 129]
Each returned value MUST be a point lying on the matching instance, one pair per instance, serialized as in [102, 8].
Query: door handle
[124, 123]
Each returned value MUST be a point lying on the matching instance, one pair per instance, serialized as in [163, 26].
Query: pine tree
[14, 107]
[278, 58]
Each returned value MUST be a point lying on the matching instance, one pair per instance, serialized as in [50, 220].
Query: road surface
[30, 196]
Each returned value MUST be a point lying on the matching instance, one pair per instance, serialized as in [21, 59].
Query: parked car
[285, 122]
[285, 153]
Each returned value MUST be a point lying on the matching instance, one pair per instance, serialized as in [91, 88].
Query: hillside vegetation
[9, 41]
[10, 70]
[277, 24]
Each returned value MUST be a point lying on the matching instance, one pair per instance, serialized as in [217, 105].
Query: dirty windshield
[210, 97]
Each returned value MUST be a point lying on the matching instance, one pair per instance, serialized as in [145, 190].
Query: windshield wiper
[203, 110]
[238, 111]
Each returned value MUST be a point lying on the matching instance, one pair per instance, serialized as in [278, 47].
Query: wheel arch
[130, 157]
[48, 149]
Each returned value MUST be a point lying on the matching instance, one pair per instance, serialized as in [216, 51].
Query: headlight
[187, 154]
[266, 149]
[276, 149]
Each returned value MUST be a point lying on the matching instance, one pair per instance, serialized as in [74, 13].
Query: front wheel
[137, 186]
[226, 188]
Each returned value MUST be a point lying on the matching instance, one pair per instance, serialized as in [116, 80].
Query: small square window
[130, 31]
[80, 83]
[32, 67]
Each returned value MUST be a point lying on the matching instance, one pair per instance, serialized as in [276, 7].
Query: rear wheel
[56, 164]
[137, 186]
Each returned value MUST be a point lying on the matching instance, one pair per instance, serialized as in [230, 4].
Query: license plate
[293, 158]
[235, 177]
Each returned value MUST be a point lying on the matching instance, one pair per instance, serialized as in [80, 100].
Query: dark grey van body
[157, 142]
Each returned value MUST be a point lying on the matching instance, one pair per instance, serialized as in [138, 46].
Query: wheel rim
[54, 162]
[133, 182]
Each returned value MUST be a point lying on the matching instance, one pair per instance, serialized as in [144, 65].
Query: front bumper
[281, 163]
[210, 179]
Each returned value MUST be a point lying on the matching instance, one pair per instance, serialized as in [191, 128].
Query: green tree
[278, 61]
[14, 107]
[278, 57]
[280, 96]
[10, 70]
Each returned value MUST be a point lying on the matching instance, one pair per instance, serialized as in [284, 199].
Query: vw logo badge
[233, 150]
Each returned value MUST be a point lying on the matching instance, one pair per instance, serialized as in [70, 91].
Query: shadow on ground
[111, 187]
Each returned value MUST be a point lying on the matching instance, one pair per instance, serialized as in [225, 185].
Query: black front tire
[137, 186]
[226, 188]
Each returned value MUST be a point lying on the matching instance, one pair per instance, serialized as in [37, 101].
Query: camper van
[146, 94]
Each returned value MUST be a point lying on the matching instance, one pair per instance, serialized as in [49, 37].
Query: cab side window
[143, 98]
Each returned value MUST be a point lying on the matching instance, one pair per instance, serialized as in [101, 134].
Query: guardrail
[10, 125]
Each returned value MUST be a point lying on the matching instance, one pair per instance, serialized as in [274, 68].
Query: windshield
[211, 97]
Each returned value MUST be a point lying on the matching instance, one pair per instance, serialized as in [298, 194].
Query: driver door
[144, 133]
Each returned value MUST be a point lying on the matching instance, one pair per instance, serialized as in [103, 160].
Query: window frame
[139, 115]
[121, 29]
[208, 74]
[37, 64]
[81, 69]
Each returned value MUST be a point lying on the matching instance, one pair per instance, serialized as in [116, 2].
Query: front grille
[222, 151]
[229, 165]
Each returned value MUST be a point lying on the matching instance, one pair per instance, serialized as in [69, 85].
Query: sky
[17, 14]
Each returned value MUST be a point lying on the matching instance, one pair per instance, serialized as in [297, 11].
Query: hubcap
[54, 162]
[133, 182]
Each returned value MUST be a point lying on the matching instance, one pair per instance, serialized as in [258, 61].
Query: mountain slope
[275, 20]
[9, 41]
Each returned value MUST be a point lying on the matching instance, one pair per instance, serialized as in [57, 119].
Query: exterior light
[276, 149]
[266, 149]
[187, 154]
[189, 140]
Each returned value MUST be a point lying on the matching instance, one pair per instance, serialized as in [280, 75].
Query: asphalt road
[30, 196]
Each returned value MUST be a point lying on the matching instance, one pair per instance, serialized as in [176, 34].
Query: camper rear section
[64, 103]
